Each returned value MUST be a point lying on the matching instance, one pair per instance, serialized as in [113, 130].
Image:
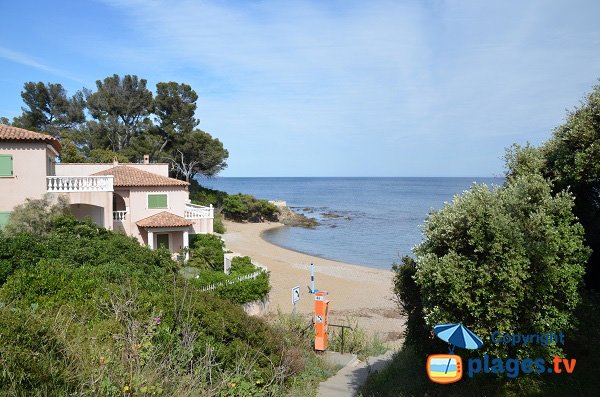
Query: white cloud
[26, 60]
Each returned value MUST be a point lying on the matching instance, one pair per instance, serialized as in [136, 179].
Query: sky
[328, 88]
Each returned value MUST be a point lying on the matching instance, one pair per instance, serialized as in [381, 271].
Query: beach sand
[360, 293]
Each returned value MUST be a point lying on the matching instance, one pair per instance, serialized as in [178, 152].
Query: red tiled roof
[10, 133]
[164, 219]
[129, 176]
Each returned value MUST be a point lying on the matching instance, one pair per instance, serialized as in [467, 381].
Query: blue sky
[328, 88]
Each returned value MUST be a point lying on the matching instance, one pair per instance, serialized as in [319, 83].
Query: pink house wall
[32, 162]
[136, 199]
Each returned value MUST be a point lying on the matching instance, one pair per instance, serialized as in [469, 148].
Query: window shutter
[4, 218]
[6, 165]
[157, 201]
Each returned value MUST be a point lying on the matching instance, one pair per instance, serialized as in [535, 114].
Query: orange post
[321, 320]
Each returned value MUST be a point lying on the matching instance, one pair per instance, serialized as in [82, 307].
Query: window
[6, 165]
[158, 201]
[4, 218]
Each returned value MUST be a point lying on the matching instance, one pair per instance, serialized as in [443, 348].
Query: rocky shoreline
[291, 218]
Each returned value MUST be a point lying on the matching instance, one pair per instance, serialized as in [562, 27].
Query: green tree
[49, 109]
[121, 109]
[70, 153]
[197, 152]
[106, 156]
[572, 161]
[175, 107]
[509, 259]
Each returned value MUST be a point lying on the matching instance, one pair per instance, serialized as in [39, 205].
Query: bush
[408, 296]
[34, 358]
[509, 259]
[238, 292]
[244, 207]
[36, 215]
[85, 311]
[204, 196]
[207, 252]
[218, 226]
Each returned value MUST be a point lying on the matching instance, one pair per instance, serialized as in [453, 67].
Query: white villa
[139, 200]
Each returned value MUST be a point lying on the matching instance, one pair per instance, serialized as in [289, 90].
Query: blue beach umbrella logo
[457, 335]
[447, 368]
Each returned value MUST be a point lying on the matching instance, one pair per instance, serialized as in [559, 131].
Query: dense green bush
[244, 207]
[509, 259]
[85, 311]
[34, 358]
[238, 292]
[207, 252]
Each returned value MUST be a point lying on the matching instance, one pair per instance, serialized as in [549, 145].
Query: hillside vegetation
[85, 311]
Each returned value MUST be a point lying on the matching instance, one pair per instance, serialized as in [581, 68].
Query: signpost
[295, 297]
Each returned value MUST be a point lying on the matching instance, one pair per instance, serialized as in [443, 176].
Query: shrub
[205, 196]
[85, 311]
[36, 215]
[509, 259]
[33, 356]
[408, 296]
[207, 252]
[239, 291]
[218, 226]
[247, 290]
[244, 207]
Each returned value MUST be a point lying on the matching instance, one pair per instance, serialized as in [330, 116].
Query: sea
[364, 221]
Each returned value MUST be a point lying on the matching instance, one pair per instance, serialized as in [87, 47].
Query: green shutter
[6, 165]
[4, 218]
[157, 201]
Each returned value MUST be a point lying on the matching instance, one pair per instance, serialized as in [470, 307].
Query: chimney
[115, 161]
[146, 159]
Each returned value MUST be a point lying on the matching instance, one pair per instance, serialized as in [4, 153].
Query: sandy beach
[361, 293]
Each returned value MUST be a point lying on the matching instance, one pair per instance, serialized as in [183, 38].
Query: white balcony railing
[199, 212]
[119, 215]
[70, 184]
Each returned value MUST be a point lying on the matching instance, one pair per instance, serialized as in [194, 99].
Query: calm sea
[364, 221]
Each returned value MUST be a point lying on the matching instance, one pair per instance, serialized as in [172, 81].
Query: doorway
[162, 241]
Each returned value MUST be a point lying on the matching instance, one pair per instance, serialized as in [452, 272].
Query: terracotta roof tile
[129, 176]
[10, 133]
[164, 219]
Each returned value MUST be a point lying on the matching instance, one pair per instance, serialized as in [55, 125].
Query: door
[162, 241]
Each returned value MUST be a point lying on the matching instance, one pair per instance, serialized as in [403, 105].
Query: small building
[139, 200]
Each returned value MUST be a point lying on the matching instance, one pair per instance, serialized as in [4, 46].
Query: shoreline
[357, 293]
[281, 225]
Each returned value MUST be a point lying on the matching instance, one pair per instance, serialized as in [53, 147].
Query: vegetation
[511, 259]
[204, 196]
[355, 340]
[85, 311]
[207, 252]
[218, 225]
[516, 238]
[36, 215]
[122, 118]
[244, 207]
